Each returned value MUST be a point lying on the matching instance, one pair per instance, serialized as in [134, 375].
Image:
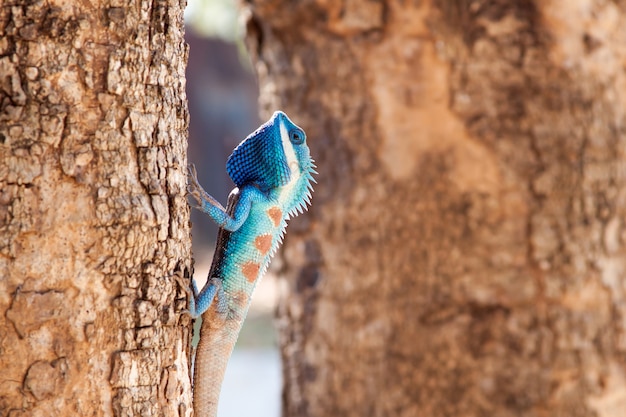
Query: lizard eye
[296, 136]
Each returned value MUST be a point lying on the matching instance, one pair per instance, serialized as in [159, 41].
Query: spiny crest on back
[260, 157]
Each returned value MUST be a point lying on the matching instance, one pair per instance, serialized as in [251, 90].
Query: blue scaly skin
[272, 169]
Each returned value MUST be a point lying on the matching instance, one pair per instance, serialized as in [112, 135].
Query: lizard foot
[195, 190]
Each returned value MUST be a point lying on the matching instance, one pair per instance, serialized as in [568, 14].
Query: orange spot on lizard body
[263, 243]
[276, 215]
[250, 270]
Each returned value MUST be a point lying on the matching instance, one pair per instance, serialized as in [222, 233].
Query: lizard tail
[218, 335]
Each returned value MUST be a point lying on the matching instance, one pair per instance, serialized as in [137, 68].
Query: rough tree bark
[465, 253]
[94, 226]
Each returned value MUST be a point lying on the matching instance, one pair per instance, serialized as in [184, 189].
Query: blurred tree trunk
[465, 254]
[94, 226]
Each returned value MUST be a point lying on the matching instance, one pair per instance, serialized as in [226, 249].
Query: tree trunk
[94, 225]
[465, 253]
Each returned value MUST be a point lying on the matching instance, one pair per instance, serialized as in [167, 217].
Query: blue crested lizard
[272, 169]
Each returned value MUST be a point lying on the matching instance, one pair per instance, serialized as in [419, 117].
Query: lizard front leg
[215, 210]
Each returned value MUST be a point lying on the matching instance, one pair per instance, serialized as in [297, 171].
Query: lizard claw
[190, 289]
[195, 190]
[183, 283]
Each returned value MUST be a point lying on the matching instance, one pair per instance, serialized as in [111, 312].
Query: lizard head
[275, 157]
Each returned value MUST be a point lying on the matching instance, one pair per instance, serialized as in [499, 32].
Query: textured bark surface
[94, 226]
[465, 253]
